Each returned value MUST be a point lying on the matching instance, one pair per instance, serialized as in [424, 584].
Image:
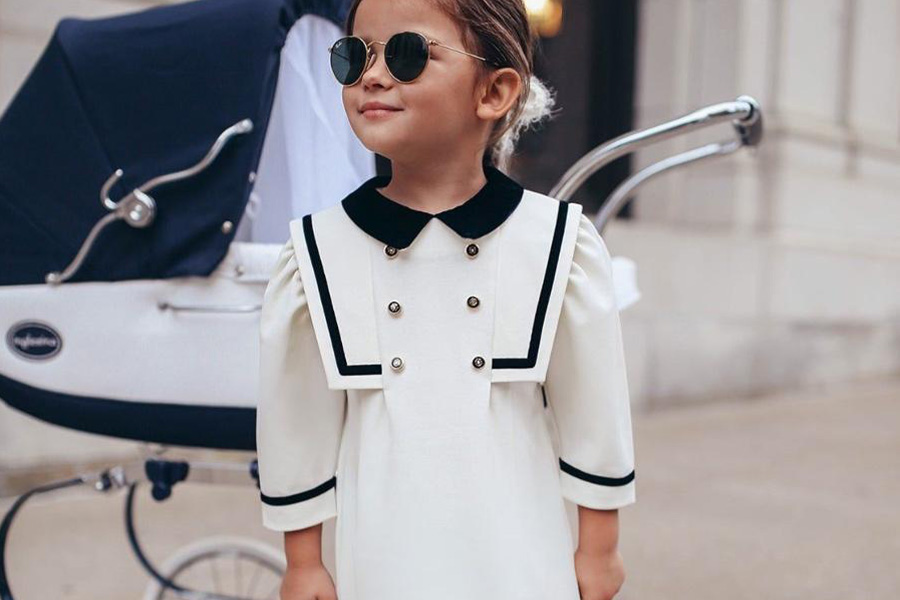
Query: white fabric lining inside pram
[310, 154]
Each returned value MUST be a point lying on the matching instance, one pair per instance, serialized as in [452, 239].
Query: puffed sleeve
[299, 420]
[586, 386]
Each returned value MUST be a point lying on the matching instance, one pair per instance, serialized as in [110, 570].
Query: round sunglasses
[405, 55]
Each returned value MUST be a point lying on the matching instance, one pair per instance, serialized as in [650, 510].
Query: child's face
[437, 110]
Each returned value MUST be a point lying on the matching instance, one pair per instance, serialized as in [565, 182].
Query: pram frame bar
[746, 118]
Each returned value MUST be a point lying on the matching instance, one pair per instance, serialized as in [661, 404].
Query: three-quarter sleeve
[586, 386]
[299, 420]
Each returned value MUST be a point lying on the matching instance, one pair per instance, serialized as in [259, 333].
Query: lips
[376, 106]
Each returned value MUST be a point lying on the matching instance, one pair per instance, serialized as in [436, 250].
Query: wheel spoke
[274, 591]
[237, 573]
[254, 577]
[215, 574]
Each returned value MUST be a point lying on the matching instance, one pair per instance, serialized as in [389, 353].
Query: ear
[498, 93]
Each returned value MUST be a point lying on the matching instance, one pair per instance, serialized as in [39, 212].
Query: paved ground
[789, 497]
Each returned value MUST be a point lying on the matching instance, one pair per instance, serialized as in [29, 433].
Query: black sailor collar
[398, 225]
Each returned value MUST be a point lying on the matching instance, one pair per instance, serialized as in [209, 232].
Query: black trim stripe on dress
[598, 479]
[537, 327]
[333, 330]
[294, 498]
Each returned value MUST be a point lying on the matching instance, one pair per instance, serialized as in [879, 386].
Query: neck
[435, 186]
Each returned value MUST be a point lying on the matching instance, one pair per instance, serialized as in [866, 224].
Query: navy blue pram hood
[147, 92]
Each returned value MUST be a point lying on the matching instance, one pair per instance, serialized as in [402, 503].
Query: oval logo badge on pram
[34, 340]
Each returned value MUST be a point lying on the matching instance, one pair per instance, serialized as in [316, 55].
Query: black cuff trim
[294, 498]
[598, 479]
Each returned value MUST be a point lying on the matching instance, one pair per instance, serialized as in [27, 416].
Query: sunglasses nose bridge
[371, 57]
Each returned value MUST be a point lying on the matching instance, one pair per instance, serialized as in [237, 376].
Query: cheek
[441, 98]
[347, 99]
[351, 102]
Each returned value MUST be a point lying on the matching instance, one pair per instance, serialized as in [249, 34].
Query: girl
[441, 357]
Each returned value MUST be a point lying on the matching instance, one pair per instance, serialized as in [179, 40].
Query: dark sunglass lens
[405, 55]
[348, 59]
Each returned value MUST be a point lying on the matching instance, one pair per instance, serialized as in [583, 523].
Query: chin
[385, 143]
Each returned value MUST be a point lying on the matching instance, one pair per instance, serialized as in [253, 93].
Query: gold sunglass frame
[370, 55]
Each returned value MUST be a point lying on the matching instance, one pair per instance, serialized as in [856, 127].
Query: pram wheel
[223, 567]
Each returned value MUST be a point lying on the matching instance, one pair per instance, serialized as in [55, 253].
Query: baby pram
[204, 127]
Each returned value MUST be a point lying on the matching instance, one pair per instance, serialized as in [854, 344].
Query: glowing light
[545, 16]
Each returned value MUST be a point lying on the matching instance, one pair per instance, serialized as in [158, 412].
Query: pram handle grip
[138, 208]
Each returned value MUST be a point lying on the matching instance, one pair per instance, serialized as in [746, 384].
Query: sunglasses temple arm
[458, 50]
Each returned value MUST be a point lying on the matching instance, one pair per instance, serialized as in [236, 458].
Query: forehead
[380, 19]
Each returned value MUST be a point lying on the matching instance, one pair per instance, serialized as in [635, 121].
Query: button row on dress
[394, 308]
[392, 251]
[471, 250]
[473, 302]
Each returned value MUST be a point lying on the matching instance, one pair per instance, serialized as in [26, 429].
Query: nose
[375, 71]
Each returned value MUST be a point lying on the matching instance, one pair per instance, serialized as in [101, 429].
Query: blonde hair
[499, 30]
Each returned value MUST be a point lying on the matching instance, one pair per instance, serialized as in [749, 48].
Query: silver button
[390, 251]
[472, 250]
[394, 307]
[473, 301]
[396, 363]
[478, 362]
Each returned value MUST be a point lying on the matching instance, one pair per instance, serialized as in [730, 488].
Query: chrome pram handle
[745, 116]
[138, 208]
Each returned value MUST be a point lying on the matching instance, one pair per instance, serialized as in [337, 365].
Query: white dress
[442, 394]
